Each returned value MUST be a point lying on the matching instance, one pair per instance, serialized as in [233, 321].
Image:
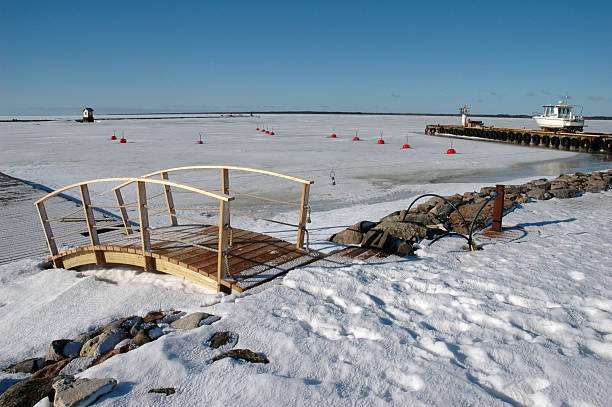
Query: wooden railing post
[44, 219]
[303, 212]
[124, 215]
[91, 223]
[222, 254]
[143, 216]
[169, 201]
[225, 180]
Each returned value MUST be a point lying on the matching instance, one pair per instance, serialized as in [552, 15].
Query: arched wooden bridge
[214, 255]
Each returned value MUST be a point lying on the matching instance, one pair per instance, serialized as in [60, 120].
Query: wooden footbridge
[212, 254]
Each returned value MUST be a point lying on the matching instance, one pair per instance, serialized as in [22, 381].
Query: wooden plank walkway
[190, 251]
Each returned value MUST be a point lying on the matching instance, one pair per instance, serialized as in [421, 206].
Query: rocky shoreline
[52, 376]
[397, 232]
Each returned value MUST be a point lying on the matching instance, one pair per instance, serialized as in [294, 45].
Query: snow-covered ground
[526, 321]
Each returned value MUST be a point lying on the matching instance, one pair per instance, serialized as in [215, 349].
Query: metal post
[302, 220]
[169, 201]
[498, 209]
[143, 215]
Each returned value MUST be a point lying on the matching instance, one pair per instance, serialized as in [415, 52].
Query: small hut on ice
[88, 116]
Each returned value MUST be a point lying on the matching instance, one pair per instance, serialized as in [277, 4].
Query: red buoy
[405, 146]
[123, 140]
[355, 138]
[113, 137]
[381, 141]
[257, 129]
[263, 130]
[199, 142]
[450, 151]
[267, 131]
[333, 135]
[271, 133]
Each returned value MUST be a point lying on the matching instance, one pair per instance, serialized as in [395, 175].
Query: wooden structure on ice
[214, 255]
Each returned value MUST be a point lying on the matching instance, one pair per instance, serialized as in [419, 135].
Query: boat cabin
[559, 110]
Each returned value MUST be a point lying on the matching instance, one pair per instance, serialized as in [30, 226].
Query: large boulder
[27, 393]
[354, 234]
[403, 230]
[539, 194]
[105, 342]
[51, 370]
[595, 186]
[76, 365]
[194, 320]
[26, 366]
[81, 392]
[565, 193]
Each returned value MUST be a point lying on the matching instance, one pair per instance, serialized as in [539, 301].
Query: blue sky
[428, 57]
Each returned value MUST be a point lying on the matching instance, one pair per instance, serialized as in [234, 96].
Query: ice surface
[525, 321]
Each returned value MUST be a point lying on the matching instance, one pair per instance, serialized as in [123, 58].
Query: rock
[124, 342]
[539, 194]
[101, 358]
[415, 217]
[83, 338]
[76, 365]
[140, 339]
[168, 319]
[378, 239]
[404, 249]
[354, 234]
[242, 354]
[442, 211]
[82, 392]
[128, 324]
[27, 392]
[72, 349]
[26, 366]
[153, 316]
[564, 193]
[194, 320]
[51, 370]
[424, 207]
[222, 338]
[595, 186]
[103, 343]
[55, 350]
[136, 329]
[154, 332]
[402, 230]
[163, 390]
[556, 184]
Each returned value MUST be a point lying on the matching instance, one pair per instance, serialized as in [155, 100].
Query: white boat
[559, 117]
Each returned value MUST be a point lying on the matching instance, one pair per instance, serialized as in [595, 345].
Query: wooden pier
[216, 256]
[583, 142]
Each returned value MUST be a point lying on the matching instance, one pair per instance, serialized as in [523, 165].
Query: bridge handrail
[129, 180]
[227, 167]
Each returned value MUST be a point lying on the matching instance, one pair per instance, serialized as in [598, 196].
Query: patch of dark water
[582, 162]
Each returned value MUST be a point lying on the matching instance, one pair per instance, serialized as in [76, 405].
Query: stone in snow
[194, 320]
[71, 392]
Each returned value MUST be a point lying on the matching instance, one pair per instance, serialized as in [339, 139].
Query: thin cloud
[530, 94]
[395, 95]
[597, 98]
